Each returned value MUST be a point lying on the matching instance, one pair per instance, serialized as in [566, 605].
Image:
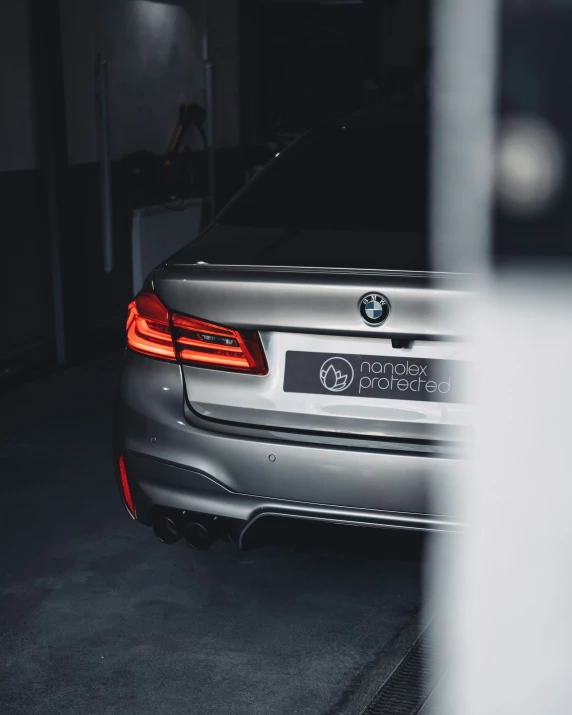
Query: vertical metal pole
[105, 164]
[51, 144]
[209, 102]
[57, 280]
[210, 135]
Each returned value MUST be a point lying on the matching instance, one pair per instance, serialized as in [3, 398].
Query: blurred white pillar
[464, 42]
[503, 591]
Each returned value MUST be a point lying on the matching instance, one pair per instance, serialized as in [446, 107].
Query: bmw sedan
[298, 360]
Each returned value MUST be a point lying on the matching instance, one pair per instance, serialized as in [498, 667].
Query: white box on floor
[160, 231]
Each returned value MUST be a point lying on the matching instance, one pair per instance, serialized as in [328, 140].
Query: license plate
[374, 376]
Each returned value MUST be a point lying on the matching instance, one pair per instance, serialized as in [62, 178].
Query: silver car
[297, 359]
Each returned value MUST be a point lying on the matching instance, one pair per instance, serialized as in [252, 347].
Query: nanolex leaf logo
[336, 374]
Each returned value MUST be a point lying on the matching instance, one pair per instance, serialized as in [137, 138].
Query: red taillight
[125, 486]
[151, 331]
[148, 327]
[208, 345]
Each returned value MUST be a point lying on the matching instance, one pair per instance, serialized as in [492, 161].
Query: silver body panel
[232, 444]
[174, 461]
[324, 302]
[262, 401]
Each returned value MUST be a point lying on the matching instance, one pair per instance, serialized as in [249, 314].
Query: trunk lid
[309, 320]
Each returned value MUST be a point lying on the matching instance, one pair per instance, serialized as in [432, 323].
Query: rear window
[352, 179]
[346, 198]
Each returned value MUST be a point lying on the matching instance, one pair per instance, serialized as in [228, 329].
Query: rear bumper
[160, 484]
[172, 463]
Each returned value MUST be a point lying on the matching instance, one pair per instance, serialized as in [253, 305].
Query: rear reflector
[125, 486]
[152, 330]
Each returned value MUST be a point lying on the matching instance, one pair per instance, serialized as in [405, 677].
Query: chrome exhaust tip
[200, 534]
[166, 529]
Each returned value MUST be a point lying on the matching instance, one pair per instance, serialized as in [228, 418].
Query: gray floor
[98, 617]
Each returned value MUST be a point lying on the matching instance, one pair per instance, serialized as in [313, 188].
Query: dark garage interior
[97, 615]
[126, 128]
[281, 68]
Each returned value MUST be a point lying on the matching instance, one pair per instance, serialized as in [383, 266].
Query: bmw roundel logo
[374, 308]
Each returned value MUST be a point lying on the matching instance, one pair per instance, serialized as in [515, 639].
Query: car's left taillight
[148, 330]
[155, 331]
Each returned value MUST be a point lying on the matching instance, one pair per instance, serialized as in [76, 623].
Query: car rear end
[308, 370]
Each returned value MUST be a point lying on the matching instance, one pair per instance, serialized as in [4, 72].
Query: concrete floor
[98, 617]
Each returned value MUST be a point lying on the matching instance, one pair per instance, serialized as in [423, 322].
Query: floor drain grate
[411, 683]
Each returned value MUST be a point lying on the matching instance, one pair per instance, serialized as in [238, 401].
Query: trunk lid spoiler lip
[355, 272]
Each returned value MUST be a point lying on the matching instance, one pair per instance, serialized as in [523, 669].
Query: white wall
[17, 143]
[153, 50]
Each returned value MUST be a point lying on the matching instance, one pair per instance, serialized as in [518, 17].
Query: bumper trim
[157, 483]
[403, 522]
